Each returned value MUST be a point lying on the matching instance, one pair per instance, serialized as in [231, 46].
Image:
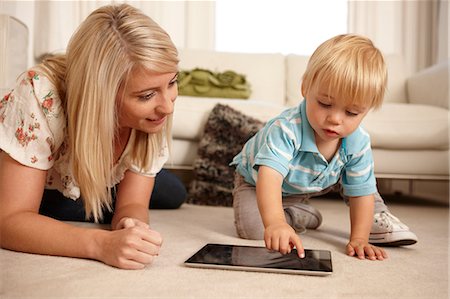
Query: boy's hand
[282, 237]
[362, 249]
[361, 218]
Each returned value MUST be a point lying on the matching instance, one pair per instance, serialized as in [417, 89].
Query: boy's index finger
[299, 246]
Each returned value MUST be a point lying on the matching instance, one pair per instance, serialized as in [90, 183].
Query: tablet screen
[236, 257]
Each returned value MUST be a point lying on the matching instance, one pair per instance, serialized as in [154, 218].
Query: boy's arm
[278, 234]
[361, 219]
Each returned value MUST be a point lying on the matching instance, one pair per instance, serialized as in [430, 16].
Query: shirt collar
[308, 139]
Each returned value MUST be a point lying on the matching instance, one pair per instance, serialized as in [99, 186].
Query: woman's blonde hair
[349, 67]
[99, 59]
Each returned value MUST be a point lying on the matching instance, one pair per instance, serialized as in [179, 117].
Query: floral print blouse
[33, 132]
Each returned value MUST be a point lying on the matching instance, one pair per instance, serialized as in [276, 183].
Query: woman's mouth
[157, 121]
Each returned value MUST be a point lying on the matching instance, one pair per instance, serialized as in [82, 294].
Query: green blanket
[205, 83]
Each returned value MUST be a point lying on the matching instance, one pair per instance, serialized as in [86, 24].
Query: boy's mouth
[331, 133]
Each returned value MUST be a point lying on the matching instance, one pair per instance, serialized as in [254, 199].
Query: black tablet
[251, 258]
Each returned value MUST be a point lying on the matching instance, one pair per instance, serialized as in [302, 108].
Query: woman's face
[147, 100]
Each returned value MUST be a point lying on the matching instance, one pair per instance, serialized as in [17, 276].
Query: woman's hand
[282, 237]
[127, 222]
[133, 245]
[362, 249]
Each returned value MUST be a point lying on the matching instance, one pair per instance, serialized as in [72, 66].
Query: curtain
[416, 30]
[189, 23]
[441, 51]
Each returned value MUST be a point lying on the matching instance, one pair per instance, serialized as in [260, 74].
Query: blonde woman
[82, 137]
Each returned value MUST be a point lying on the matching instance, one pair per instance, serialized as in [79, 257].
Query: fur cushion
[225, 133]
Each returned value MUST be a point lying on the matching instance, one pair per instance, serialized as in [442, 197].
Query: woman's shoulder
[32, 120]
[40, 85]
[37, 91]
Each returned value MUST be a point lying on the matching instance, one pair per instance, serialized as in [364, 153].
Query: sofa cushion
[412, 164]
[430, 86]
[205, 83]
[408, 127]
[183, 153]
[191, 113]
[295, 68]
[395, 89]
[264, 72]
[225, 133]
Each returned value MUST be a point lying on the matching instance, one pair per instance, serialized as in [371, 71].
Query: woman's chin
[152, 127]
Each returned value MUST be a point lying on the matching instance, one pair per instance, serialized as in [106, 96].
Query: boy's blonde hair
[107, 46]
[349, 67]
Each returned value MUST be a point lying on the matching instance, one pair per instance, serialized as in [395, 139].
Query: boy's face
[330, 118]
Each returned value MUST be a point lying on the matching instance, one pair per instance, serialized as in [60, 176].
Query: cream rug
[419, 271]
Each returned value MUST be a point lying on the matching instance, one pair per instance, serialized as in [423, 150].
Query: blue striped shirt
[287, 144]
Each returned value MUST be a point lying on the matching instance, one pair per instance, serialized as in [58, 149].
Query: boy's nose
[334, 118]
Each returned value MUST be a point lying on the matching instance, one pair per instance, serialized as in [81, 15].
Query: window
[281, 26]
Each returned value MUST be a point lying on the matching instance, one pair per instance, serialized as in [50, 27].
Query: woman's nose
[167, 104]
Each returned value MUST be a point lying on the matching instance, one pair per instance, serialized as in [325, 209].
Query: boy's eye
[351, 113]
[147, 96]
[323, 104]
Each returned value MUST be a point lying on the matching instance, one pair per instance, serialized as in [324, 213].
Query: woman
[90, 128]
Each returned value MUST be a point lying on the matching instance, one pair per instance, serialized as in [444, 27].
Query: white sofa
[410, 133]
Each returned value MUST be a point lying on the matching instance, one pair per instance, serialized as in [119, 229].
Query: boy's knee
[254, 233]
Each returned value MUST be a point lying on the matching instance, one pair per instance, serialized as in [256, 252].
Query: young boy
[317, 146]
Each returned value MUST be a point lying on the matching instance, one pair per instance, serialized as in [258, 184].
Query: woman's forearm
[136, 211]
[133, 198]
[34, 233]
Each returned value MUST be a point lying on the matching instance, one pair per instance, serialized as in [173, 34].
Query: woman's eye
[147, 96]
[173, 82]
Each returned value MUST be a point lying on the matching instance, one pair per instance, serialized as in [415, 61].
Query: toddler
[315, 147]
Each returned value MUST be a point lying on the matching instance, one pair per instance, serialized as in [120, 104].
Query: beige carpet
[418, 271]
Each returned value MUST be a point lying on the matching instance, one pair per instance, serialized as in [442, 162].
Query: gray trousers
[247, 219]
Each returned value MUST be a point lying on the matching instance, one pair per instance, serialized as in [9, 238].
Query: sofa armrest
[430, 86]
[14, 51]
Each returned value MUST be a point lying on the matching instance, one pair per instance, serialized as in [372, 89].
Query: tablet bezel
[192, 262]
